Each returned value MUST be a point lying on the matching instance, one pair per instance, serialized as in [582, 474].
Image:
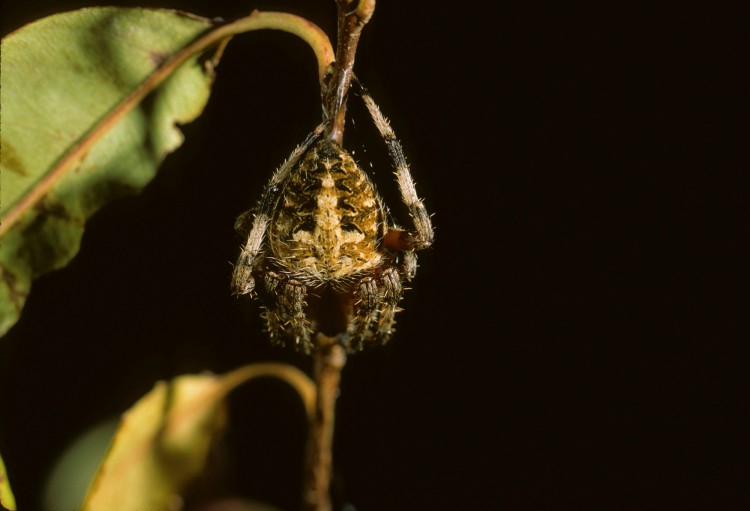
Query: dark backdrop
[572, 341]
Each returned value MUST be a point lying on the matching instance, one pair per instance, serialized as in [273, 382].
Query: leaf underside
[63, 79]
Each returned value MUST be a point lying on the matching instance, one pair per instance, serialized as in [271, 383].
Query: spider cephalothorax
[322, 253]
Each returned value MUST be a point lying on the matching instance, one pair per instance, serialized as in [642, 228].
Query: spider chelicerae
[323, 253]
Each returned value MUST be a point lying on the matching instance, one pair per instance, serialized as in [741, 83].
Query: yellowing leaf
[7, 501]
[163, 440]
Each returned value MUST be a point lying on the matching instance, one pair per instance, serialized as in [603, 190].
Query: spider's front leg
[397, 239]
[243, 281]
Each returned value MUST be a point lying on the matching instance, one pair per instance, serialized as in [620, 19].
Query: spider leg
[408, 264]
[423, 234]
[243, 281]
[286, 311]
[377, 301]
[271, 192]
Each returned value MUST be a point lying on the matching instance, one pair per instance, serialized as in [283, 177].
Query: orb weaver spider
[323, 254]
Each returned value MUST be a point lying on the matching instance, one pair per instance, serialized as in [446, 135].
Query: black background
[573, 339]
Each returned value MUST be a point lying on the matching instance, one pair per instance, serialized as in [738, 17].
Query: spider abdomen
[329, 220]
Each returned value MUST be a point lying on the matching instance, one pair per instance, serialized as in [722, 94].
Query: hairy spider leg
[243, 281]
[288, 315]
[376, 307]
[379, 294]
[423, 234]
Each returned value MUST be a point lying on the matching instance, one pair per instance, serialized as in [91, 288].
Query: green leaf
[75, 133]
[163, 440]
[7, 501]
[90, 100]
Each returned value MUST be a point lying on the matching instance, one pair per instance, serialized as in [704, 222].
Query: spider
[323, 254]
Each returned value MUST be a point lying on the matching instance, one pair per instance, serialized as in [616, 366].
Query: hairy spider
[323, 254]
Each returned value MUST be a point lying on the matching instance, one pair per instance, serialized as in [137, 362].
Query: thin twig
[329, 360]
[329, 355]
[351, 21]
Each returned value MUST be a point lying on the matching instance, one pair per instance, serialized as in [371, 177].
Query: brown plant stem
[329, 359]
[329, 356]
[351, 21]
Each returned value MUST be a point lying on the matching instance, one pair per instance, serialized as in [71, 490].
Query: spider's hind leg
[377, 298]
[285, 311]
